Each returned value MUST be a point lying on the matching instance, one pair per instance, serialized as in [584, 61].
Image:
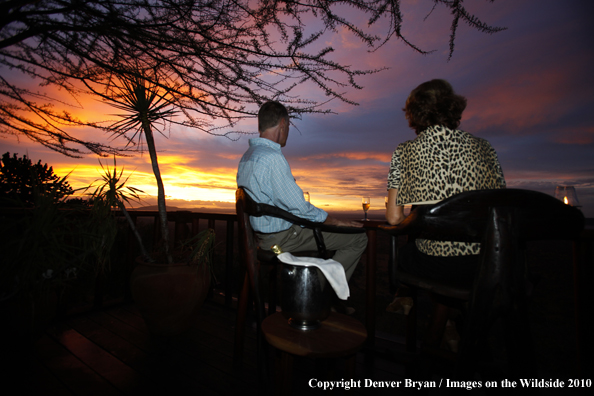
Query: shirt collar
[264, 142]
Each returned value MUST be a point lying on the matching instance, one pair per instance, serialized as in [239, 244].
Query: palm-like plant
[113, 193]
[147, 106]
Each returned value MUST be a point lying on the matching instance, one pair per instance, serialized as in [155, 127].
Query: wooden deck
[110, 352]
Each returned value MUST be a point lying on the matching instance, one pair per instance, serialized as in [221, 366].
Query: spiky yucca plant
[113, 193]
[146, 107]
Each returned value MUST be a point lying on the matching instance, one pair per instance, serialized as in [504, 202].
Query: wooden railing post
[229, 263]
[182, 231]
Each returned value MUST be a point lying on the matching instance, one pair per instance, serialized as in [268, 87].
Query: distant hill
[194, 209]
[344, 215]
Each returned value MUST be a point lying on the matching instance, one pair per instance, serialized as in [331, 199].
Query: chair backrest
[463, 217]
[501, 220]
[248, 248]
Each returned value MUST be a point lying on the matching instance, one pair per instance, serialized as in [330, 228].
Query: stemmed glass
[386, 201]
[366, 202]
[306, 196]
[567, 195]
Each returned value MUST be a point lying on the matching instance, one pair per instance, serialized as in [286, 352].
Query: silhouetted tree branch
[209, 58]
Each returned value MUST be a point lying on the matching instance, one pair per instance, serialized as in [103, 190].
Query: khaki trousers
[349, 247]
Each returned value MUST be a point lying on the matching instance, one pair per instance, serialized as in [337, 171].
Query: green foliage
[47, 241]
[44, 247]
[23, 182]
[112, 194]
[198, 249]
[109, 195]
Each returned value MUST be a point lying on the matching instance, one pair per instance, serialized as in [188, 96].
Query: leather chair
[502, 221]
[252, 257]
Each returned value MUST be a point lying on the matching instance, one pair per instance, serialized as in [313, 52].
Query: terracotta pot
[169, 296]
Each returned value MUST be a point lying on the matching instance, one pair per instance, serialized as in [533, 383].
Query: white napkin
[332, 270]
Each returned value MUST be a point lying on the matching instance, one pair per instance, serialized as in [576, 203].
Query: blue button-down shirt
[266, 176]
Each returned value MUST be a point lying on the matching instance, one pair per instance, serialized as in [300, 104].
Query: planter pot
[169, 296]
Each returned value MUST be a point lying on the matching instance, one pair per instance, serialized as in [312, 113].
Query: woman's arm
[394, 213]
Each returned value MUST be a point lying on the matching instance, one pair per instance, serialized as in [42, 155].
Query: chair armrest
[463, 217]
[256, 209]
[260, 209]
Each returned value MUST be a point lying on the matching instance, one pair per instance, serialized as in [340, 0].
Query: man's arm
[286, 194]
[341, 223]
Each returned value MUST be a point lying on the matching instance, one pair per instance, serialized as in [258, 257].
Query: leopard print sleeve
[497, 167]
[394, 173]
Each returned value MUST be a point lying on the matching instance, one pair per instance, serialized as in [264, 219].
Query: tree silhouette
[21, 181]
[212, 57]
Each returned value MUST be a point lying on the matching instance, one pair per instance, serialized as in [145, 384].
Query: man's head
[273, 122]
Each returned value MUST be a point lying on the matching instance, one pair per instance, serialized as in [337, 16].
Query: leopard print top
[439, 163]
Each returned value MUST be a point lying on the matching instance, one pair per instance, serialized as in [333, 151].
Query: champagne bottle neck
[276, 249]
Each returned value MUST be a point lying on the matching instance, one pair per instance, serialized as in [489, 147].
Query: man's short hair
[270, 115]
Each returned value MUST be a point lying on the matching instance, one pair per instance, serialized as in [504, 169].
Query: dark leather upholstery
[503, 221]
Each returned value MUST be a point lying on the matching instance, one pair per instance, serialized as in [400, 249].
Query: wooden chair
[502, 221]
[252, 256]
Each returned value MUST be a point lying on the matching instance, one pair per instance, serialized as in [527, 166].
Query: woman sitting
[440, 162]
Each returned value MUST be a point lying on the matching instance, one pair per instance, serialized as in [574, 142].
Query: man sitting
[266, 176]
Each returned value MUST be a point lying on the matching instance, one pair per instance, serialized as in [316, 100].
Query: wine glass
[366, 202]
[386, 201]
[306, 196]
[567, 195]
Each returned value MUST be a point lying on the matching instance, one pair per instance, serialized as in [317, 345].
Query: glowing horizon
[188, 187]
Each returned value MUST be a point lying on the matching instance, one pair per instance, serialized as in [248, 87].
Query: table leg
[370, 275]
[284, 373]
[583, 296]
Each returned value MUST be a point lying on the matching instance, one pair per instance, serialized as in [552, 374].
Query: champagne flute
[306, 196]
[386, 201]
[366, 203]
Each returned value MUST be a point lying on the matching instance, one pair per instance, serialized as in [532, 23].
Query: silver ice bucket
[306, 296]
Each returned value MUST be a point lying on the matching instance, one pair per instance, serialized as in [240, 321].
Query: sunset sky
[530, 92]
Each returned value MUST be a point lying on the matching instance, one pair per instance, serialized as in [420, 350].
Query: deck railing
[184, 224]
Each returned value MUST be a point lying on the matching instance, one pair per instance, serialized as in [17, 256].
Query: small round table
[340, 336]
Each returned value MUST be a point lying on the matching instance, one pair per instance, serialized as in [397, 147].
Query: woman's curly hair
[434, 103]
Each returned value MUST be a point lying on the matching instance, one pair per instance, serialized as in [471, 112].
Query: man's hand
[341, 223]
